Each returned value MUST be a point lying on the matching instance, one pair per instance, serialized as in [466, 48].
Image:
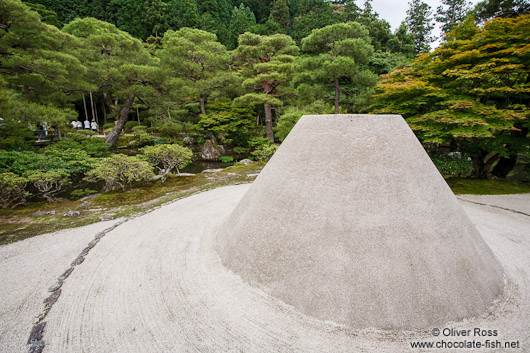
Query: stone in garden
[188, 140]
[351, 222]
[212, 170]
[85, 204]
[245, 161]
[210, 152]
[106, 218]
[43, 213]
[72, 213]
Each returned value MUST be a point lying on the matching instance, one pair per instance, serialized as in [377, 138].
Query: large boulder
[211, 152]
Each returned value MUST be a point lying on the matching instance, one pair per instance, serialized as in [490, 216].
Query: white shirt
[87, 124]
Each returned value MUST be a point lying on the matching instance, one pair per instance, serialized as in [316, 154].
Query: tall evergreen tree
[266, 63]
[313, 14]
[182, 13]
[39, 66]
[451, 13]
[242, 20]
[198, 60]
[280, 14]
[338, 53]
[488, 9]
[420, 23]
[119, 64]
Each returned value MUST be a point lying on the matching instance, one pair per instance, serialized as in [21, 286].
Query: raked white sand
[156, 284]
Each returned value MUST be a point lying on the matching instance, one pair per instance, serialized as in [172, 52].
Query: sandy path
[27, 269]
[516, 202]
[156, 284]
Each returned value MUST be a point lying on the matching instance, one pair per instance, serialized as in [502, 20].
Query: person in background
[74, 124]
[87, 125]
[40, 130]
[79, 125]
[45, 128]
[94, 125]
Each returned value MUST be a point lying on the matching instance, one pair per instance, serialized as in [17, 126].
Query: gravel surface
[28, 269]
[156, 284]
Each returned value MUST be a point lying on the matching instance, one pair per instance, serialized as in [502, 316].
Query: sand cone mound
[351, 222]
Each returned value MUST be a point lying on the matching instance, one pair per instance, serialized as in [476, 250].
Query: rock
[71, 214]
[85, 204]
[89, 197]
[221, 150]
[36, 347]
[212, 170]
[36, 333]
[43, 213]
[210, 152]
[48, 302]
[78, 261]
[252, 175]
[185, 174]
[188, 140]
[56, 286]
[132, 143]
[65, 274]
[106, 218]
[245, 161]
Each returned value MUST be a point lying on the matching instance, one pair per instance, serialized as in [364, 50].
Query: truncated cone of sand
[351, 222]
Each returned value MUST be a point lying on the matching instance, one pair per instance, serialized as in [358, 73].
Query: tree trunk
[202, 100]
[112, 137]
[268, 121]
[337, 94]
[504, 166]
[479, 170]
[84, 104]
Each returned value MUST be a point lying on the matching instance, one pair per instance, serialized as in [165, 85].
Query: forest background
[235, 76]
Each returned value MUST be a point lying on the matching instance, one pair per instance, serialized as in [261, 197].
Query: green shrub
[167, 158]
[265, 153]
[19, 162]
[240, 151]
[95, 147]
[120, 170]
[15, 135]
[259, 142]
[226, 159]
[79, 193]
[286, 122]
[161, 141]
[130, 125]
[12, 190]
[72, 161]
[451, 165]
[108, 125]
[47, 183]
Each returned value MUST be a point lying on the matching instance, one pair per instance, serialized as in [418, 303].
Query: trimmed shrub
[120, 170]
[12, 190]
[168, 158]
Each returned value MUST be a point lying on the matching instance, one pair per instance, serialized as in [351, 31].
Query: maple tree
[473, 92]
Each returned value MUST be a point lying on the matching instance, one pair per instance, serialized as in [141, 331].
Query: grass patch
[487, 187]
[19, 224]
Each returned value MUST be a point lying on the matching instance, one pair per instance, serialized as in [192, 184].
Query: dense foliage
[240, 74]
[472, 93]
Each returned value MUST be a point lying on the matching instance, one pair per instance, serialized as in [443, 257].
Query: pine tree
[337, 52]
[420, 23]
[266, 63]
[242, 20]
[451, 13]
[197, 60]
[280, 14]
